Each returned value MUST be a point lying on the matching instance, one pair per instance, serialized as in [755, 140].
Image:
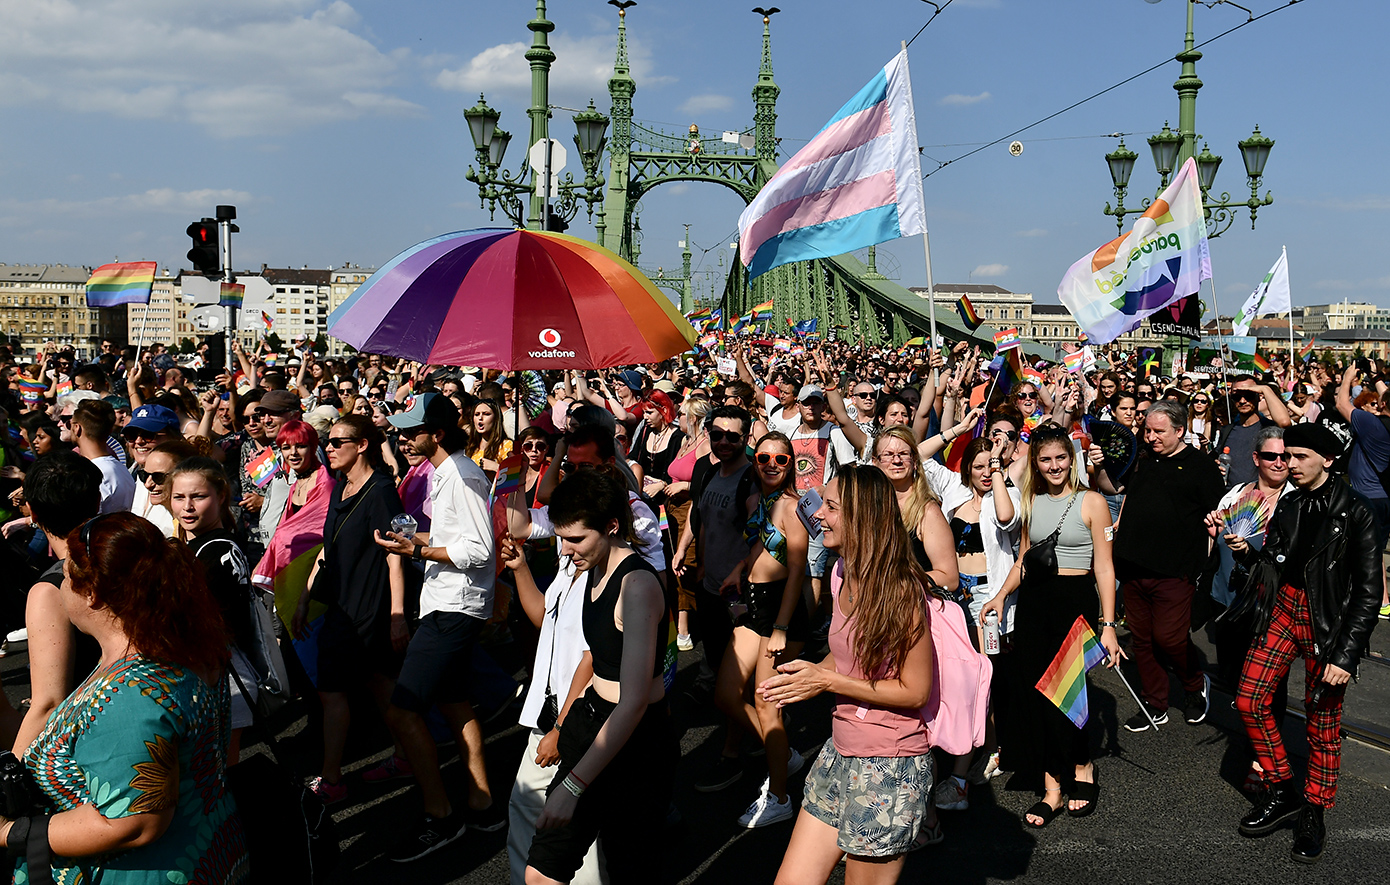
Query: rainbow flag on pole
[232, 294]
[510, 472]
[269, 323]
[1260, 363]
[762, 311]
[856, 183]
[1007, 339]
[130, 282]
[263, 467]
[1074, 361]
[1305, 350]
[967, 313]
[1064, 682]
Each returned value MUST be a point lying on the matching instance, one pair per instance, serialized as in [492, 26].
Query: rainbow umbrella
[512, 299]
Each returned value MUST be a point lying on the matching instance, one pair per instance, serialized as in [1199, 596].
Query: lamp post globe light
[519, 195]
[1171, 149]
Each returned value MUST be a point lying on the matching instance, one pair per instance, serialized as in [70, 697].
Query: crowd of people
[186, 545]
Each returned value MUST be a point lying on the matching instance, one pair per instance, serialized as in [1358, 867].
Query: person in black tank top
[617, 751]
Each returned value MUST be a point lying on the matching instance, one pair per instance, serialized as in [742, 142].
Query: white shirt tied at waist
[1000, 541]
[462, 525]
[561, 645]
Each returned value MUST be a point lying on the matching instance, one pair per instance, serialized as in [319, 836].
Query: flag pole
[140, 342]
[1222, 349]
[1292, 357]
[1145, 710]
[931, 289]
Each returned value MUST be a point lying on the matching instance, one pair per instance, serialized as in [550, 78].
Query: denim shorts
[876, 802]
[817, 558]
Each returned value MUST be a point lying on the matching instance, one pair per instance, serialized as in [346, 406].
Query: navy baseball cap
[152, 419]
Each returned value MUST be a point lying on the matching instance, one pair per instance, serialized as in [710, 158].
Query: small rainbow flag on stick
[263, 467]
[1064, 682]
[967, 313]
[919, 341]
[662, 523]
[130, 282]
[1260, 363]
[510, 471]
[762, 311]
[1074, 361]
[1007, 339]
[269, 323]
[1305, 350]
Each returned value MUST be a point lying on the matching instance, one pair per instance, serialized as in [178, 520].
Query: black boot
[1308, 835]
[1276, 805]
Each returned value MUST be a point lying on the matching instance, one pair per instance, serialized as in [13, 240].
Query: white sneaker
[795, 762]
[684, 642]
[952, 794]
[766, 810]
[20, 635]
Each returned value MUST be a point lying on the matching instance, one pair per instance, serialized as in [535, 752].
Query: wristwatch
[418, 553]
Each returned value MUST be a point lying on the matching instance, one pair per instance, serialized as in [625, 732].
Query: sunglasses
[732, 436]
[271, 413]
[337, 441]
[253, 418]
[1010, 434]
[867, 394]
[158, 478]
[781, 459]
[569, 466]
[1273, 456]
[536, 445]
[1025, 396]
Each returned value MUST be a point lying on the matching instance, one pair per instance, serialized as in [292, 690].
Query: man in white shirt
[455, 604]
[92, 422]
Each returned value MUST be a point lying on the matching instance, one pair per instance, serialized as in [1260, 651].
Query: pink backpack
[956, 711]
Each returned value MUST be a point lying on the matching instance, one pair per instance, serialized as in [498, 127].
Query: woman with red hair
[656, 444]
[134, 761]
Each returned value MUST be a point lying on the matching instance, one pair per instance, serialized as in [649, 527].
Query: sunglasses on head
[725, 435]
[336, 441]
[1273, 456]
[781, 459]
[84, 534]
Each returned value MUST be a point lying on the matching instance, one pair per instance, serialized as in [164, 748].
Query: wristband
[418, 554]
[579, 780]
[782, 627]
[1104, 624]
[569, 784]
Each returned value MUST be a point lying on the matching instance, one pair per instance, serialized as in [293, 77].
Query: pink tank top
[859, 729]
[682, 469]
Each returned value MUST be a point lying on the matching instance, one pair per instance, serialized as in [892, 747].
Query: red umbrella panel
[510, 299]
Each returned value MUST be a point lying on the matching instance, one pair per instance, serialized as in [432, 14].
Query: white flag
[1270, 296]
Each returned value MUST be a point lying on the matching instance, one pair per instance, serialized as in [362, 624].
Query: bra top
[761, 526]
[602, 633]
[682, 469]
[919, 552]
[969, 538]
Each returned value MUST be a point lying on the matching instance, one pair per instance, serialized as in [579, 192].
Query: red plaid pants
[1290, 635]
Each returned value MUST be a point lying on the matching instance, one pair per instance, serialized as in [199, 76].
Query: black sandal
[1043, 810]
[1084, 792]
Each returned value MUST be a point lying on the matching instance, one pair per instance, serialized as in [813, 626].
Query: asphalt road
[1168, 808]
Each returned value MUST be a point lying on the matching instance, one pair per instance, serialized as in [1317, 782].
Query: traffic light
[206, 257]
[557, 224]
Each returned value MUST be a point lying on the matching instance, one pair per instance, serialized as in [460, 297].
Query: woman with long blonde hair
[866, 795]
[894, 452]
[1057, 509]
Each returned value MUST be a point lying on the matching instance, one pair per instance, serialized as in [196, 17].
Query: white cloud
[580, 72]
[990, 270]
[675, 190]
[1353, 285]
[957, 100]
[252, 67]
[704, 104]
[163, 200]
[1032, 232]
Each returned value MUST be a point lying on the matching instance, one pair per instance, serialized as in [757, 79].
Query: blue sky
[337, 128]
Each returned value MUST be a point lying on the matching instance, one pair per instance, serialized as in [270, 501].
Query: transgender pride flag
[857, 183]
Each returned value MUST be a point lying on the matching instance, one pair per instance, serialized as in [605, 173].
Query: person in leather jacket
[1316, 588]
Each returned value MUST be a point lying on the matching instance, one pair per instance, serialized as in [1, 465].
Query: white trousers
[528, 798]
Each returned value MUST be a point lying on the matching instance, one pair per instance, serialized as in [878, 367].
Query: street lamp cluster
[498, 187]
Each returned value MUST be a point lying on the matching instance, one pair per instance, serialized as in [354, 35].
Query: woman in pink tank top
[865, 797]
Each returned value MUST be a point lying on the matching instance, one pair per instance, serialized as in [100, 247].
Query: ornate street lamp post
[1171, 149]
[519, 195]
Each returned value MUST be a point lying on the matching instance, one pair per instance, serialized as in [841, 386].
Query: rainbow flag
[967, 313]
[1033, 375]
[701, 314]
[263, 467]
[129, 282]
[232, 294]
[1260, 363]
[1082, 337]
[762, 311]
[1074, 361]
[782, 345]
[32, 392]
[510, 472]
[662, 523]
[1064, 682]
[1007, 339]
[915, 342]
[269, 323]
[1305, 350]
[708, 340]
[63, 388]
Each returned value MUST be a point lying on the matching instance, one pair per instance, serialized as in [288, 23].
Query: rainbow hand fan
[1248, 515]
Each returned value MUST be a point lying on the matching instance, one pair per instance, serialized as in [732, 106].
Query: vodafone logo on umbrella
[550, 340]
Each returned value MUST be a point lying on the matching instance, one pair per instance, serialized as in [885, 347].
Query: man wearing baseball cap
[455, 604]
[1314, 589]
[276, 409]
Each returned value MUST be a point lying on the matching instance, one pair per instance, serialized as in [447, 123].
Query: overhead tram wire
[939, 9]
[1096, 95]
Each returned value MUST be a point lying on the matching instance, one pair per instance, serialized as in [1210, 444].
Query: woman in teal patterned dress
[132, 766]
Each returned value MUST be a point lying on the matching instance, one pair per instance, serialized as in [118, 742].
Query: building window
[1018, 313]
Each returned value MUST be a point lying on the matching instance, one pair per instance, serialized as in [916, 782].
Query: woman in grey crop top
[1033, 733]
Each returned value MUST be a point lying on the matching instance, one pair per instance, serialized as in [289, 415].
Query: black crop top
[602, 633]
[969, 538]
